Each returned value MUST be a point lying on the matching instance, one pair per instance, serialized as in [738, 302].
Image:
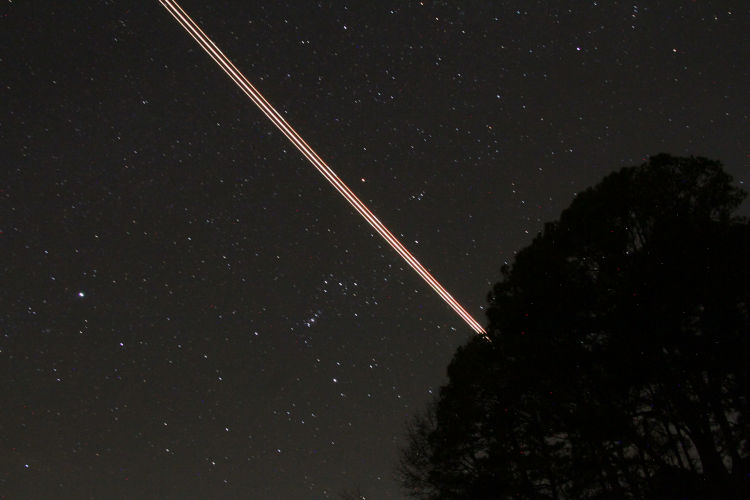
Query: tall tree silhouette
[618, 366]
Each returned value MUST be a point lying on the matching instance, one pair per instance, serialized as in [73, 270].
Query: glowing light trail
[244, 84]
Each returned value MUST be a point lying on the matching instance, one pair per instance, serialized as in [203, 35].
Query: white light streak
[244, 84]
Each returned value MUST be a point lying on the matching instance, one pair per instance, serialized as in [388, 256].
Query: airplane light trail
[244, 84]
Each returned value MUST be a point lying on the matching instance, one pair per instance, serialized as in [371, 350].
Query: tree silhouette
[618, 363]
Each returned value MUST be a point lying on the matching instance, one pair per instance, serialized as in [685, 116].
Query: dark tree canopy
[618, 365]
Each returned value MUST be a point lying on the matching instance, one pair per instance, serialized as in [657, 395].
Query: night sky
[187, 308]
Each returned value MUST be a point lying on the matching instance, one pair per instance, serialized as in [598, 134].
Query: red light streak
[244, 84]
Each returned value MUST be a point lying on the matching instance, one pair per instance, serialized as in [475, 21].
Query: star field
[190, 311]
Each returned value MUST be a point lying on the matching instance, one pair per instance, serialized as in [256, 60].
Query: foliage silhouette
[618, 362]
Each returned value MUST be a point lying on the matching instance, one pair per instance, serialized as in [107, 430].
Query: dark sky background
[188, 310]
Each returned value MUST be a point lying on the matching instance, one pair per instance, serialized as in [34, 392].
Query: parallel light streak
[244, 84]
